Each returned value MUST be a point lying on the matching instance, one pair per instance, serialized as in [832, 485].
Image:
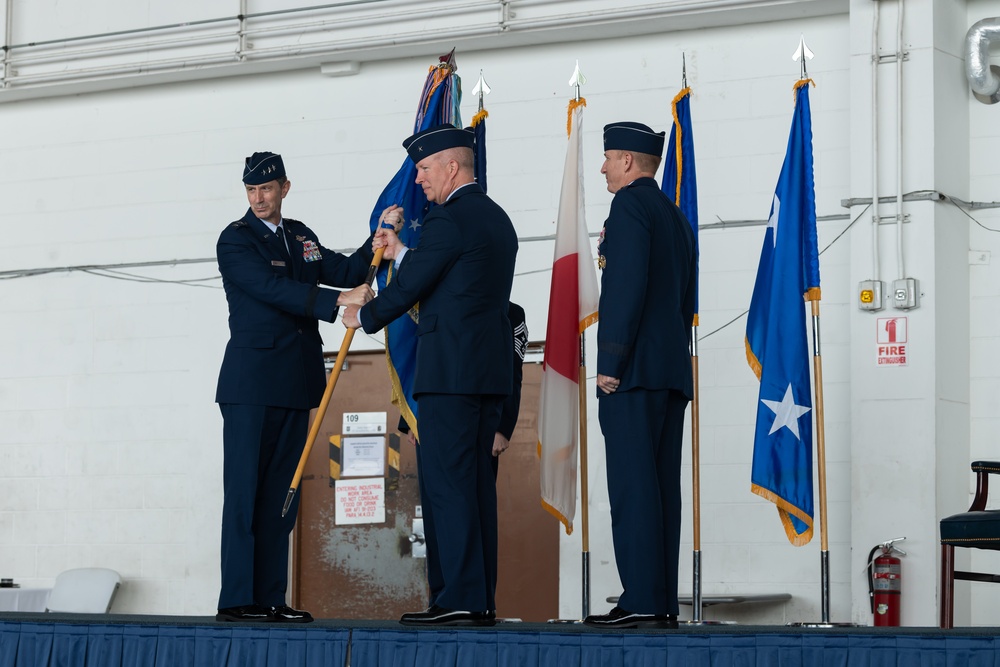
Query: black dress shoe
[285, 614]
[246, 613]
[435, 615]
[619, 618]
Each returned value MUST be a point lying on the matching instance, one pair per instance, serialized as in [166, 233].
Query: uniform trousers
[262, 446]
[643, 433]
[458, 498]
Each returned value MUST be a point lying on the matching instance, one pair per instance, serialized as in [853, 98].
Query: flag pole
[576, 81]
[803, 54]
[327, 393]
[821, 465]
[584, 492]
[696, 601]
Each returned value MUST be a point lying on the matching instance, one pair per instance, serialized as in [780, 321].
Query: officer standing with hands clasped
[461, 275]
[647, 257]
[272, 375]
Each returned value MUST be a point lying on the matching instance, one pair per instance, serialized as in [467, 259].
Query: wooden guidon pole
[327, 393]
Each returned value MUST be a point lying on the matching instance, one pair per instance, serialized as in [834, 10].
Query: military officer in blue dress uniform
[644, 378]
[509, 412]
[272, 375]
[461, 275]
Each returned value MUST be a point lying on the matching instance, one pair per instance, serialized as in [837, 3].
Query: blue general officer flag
[439, 103]
[777, 347]
[679, 181]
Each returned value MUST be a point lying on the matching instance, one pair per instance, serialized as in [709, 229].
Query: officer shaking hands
[272, 375]
[461, 273]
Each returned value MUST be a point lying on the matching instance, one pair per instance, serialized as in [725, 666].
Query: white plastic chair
[86, 590]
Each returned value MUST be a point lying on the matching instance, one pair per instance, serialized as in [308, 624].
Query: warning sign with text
[891, 341]
[360, 501]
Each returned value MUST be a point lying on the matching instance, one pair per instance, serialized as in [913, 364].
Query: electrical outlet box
[904, 293]
[870, 295]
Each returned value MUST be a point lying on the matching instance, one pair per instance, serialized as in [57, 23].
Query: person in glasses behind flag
[272, 375]
[461, 274]
[644, 380]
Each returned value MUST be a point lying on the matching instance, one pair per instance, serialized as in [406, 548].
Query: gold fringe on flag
[752, 359]
[798, 84]
[784, 510]
[480, 116]
[678, 153]
[573, 104]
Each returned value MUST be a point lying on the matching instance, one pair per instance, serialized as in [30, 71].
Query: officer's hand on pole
[358, 296]
[350, 317]
[386, 238]
[393, 215]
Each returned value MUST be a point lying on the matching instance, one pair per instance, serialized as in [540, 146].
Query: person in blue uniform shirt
[461, 275]
[272, 375]
[512, 404]
[644, 379]
[509, 412]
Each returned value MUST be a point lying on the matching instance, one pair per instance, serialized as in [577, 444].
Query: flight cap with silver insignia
[263, 167]
[436, 139]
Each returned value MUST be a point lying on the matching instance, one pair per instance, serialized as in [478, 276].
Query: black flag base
[824, 562]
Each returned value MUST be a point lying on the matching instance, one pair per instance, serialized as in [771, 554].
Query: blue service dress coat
[461, 275]
[272, 374]
[647, 253]
[275, 352]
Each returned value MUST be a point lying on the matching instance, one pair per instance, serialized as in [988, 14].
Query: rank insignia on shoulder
[238, 224]
[601, 262]
[310, 251]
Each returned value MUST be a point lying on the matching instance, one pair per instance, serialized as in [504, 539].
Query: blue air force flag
[679, 181]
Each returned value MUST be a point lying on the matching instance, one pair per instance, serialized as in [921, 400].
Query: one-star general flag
[573, 300]
[439, 103]
[679, 182]
[777, 347]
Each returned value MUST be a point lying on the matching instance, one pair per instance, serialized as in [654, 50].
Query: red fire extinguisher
[885, 583]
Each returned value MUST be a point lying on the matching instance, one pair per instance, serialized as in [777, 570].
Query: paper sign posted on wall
[360, 501]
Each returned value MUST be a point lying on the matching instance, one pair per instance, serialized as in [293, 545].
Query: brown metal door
[367, 571]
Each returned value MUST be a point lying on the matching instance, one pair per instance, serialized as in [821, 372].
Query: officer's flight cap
[633, 137]
[263, 167]
[436, 139]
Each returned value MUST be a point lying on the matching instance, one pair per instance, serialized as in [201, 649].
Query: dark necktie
[282, 246]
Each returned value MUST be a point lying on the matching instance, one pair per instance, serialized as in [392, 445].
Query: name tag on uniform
[277, 262]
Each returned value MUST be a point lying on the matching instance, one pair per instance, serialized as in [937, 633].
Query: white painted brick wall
[110, 445]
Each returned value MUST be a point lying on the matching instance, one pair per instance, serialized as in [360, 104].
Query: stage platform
[68, 640]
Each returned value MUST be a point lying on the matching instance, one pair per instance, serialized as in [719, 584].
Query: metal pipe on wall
[8, 35]
[899, 143]
[876, 268]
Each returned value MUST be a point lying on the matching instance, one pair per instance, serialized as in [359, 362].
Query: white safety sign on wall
[360, 501]
[891, 339]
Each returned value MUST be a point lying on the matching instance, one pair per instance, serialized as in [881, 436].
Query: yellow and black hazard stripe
[335, 459]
